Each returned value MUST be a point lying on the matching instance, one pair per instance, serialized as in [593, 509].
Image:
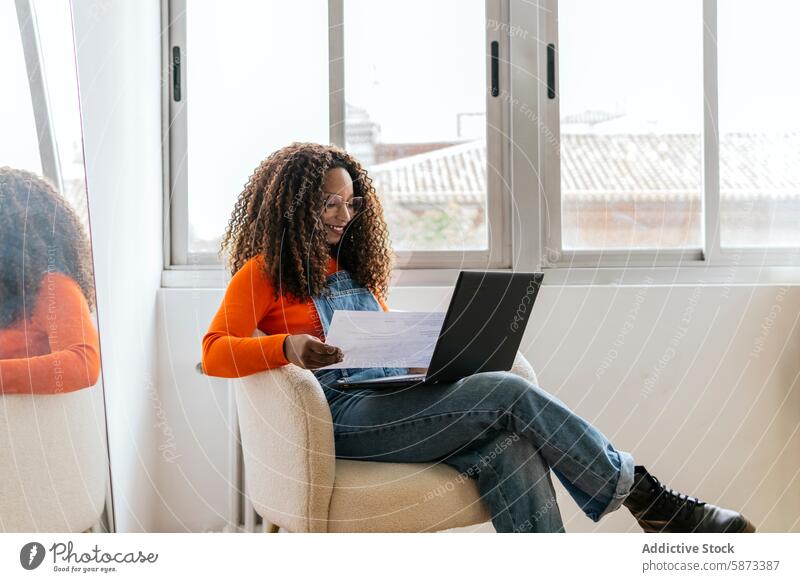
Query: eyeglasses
[335, 201]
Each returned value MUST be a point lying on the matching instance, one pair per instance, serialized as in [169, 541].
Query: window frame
[175, 146]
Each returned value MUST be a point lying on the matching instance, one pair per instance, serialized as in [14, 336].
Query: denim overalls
[347, 294]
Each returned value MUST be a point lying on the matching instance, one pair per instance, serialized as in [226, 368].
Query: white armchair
[295, 482]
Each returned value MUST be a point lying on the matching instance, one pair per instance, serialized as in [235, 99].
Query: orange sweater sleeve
[74, 359]
[229, 350]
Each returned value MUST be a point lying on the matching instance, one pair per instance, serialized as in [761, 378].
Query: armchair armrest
[288, 447]
[521, 367]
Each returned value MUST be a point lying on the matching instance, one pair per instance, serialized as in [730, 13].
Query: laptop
[481, 331]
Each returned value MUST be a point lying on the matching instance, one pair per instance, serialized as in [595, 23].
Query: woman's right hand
[308, 352]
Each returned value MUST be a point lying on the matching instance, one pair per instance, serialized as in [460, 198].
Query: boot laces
[670, 497]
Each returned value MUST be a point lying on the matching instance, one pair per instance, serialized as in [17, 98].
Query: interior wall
[194, 438]
[699, 383]
[119, 70]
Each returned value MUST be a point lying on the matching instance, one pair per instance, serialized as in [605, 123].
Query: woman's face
[337, 181]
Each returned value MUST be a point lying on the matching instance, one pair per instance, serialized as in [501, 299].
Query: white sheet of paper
[391, 339]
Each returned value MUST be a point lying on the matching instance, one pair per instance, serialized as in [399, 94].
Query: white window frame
[174, 126]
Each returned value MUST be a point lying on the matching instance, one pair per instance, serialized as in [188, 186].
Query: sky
[644, 58]
[414, 65]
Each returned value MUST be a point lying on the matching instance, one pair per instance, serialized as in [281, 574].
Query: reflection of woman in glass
[48, 342]
[308, 236]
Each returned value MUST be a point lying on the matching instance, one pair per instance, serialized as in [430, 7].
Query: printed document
[384, 339]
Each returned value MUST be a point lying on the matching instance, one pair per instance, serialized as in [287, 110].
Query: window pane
[415, 79]
[54, 22]
[20, 147]
[759, 91]
[256, 81]
[631, 119]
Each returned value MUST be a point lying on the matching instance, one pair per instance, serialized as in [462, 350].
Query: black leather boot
[659, 509]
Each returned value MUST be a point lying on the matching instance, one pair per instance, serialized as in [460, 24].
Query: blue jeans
[495, 427]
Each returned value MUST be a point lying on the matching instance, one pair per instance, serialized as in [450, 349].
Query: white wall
[119, 68]
[699, 383]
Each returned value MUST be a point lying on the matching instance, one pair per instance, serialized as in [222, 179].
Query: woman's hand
[308, 352]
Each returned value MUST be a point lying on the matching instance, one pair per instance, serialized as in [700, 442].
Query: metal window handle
[176, 73]
[495, 52]
[551, 71]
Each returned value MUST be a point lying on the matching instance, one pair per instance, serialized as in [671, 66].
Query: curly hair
[40, 233]
[279, 216]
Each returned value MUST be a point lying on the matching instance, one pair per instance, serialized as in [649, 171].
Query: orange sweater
[57, 350]
[228, 348]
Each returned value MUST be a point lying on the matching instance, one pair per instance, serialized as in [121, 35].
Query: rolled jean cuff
[624, 483]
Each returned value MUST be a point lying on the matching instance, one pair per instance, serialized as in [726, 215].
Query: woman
[307, 236]
[48, 342]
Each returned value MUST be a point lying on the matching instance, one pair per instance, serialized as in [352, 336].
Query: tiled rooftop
[608, 167]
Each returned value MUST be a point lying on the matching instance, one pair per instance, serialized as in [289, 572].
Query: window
[404, 87]
[674, 132]
[656, 134]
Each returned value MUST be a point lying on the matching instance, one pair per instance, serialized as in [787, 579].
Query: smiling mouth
[335, 228]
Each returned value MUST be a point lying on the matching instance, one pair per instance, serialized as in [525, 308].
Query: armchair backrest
[53, 460]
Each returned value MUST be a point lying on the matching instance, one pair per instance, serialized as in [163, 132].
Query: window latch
[176, 73]
[551, 71]
[495, 52]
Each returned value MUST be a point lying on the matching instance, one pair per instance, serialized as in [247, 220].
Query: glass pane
[759, 91]
[255, 82]
[55, 36]
[631, 119]
[20, 149]
[416, 116]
